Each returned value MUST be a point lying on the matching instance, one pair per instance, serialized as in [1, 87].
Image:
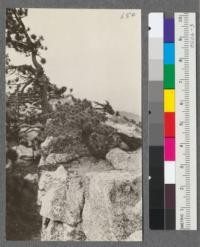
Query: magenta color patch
[169, 149]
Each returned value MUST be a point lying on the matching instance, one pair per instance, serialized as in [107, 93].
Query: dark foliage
[23, 221]
[11, 155]
[102, 139]
[79, 129]
[18, 35]
[105, 107]
[30, 87]
[133, 142]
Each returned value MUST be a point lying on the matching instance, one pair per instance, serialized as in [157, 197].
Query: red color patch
[169, 125]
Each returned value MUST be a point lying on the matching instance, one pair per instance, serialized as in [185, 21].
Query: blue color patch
[169, 53]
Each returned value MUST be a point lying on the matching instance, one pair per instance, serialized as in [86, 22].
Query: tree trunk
[44, 97]
[43, 81]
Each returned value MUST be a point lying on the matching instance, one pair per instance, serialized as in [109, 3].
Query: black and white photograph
[73, 124]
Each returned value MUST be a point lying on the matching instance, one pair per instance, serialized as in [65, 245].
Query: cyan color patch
[169, 53]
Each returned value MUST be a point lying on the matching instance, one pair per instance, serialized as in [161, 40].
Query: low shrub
[78, 129]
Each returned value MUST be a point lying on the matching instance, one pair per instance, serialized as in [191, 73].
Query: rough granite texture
[90, 199]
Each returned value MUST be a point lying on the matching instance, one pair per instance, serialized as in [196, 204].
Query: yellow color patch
[169, 100]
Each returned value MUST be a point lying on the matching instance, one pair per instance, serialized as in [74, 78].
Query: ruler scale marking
[186, 219]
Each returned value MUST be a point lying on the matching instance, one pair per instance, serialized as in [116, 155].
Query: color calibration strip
[172, 122]
[169, 124]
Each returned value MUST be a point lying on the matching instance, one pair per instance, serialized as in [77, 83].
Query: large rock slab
[53, 203]
[64, 203]
[88, 200]
[87, 164]
[121, 160]
[74, 201]
[128, 129]
[53, 158]
[51, 179]
[110, 200]
[62, 198]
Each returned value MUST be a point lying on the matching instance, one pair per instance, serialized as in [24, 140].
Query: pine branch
[23, 26]
[26, 85]
[34, 51]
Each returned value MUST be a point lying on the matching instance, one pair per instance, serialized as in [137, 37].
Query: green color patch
[169, 76]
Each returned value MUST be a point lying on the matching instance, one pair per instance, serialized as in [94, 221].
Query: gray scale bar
[156, 114]
[155, 48]
[155, 92]
[156, 136]
[155, 99]
[156, 70]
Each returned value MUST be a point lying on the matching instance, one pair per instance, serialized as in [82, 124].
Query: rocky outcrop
[54, 159]
[32, 178]
[29, 132]
[129, 133]
[24, 155]
[85, 198]
[121, 160]
[46, 146]
[64, 202]
[24, 152]
[60, 231]
[129, 129]
[50, 179]
[61, 196]
[110, 199]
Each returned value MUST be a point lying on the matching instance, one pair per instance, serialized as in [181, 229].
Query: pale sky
[95, 52]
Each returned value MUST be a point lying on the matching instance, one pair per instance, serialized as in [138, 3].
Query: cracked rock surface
[89, 199]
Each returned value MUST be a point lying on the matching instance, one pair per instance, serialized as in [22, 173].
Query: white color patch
[156, 25]
[170, 175]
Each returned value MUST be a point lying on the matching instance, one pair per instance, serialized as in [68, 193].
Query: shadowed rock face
[23, 221]
[90, 199]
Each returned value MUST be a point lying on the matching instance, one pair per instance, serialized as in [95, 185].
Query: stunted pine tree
[28, 89]
[19, 37]
[28, 79]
